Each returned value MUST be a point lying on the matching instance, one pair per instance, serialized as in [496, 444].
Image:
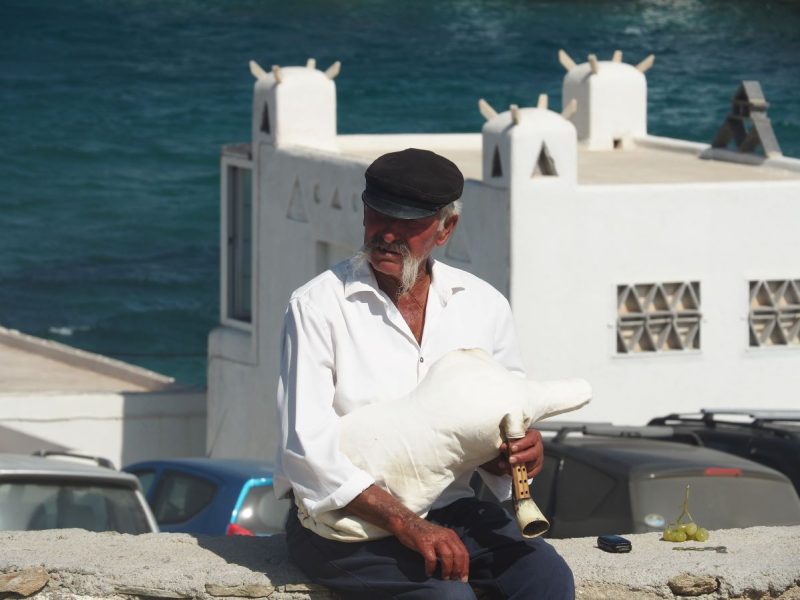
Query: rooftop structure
[663, 271]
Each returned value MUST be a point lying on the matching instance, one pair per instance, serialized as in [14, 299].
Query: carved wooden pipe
[531, 521]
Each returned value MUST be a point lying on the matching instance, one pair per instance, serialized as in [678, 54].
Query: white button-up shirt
[345, 344]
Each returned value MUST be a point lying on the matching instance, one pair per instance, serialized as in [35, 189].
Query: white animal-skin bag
[416, 445]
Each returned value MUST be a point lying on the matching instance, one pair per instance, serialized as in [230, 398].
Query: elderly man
[366, 331]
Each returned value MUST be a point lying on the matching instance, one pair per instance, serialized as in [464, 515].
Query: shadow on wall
[23, 443]
[169, 423]
[260, 554]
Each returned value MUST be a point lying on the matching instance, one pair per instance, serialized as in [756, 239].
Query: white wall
[124, 427]
[579, 247]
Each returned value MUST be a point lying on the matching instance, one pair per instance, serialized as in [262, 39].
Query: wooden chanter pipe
[531, 521]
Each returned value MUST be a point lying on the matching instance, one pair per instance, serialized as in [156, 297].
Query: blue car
[211, 496]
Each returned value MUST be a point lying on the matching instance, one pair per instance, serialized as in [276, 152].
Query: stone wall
[761, 562]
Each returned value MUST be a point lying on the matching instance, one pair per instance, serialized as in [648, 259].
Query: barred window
[775, 312]
[658, 317]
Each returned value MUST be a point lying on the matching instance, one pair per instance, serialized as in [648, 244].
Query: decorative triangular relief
[497, 167]
[689, 331]
[335, 202]
[297, 211]
[658, 301]
[355, 202]
[627, 302]
[458, 246]
[788, 296]
[760, 296]
[544, 167]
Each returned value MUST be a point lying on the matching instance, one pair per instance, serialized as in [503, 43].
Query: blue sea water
[112, 115]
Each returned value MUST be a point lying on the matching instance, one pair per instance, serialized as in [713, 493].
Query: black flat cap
[411, 184]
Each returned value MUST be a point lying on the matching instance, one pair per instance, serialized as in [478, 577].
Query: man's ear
[443, 235]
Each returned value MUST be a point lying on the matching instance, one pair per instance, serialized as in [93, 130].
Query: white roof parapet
[618, 109]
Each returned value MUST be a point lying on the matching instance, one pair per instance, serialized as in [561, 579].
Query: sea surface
[112, 115]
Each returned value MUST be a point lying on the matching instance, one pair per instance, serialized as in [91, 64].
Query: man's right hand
[433, 542]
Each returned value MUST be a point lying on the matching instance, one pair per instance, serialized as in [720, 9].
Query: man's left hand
[528, 450]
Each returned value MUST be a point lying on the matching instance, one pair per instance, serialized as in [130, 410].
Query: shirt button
[422, 360]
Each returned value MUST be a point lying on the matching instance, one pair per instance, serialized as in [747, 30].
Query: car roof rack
[98, 460]
[711, 416]
[757, 414]
[564, 428]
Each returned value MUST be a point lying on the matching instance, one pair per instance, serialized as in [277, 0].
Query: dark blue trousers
[502, 562]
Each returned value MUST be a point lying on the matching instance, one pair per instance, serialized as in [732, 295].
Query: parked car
[61, 490]
[769, 437]
[212, 496]
[600, 478]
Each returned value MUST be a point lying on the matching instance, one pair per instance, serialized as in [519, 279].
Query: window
[775, 312]
[238, 267]
[180, 497]
[36, 505]
[146, 479]
[658, 317]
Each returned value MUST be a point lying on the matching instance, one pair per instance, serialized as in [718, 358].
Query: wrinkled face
[385, 237]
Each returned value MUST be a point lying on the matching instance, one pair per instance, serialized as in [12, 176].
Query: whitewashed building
[665, 272]
[58, 398]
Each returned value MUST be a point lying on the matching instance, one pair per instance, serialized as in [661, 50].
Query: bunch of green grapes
[684, 528]
[685, 532]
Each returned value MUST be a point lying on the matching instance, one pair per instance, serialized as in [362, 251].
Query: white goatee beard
[410, 268]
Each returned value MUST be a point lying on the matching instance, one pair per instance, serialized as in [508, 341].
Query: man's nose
[388, 235]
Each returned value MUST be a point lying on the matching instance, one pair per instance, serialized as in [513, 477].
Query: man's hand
[528, 450]
[432, 541]
[435, 542]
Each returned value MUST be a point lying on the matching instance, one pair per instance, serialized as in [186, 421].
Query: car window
[146, 479]
[542, 485]
[180, 497]
[32, 505]
[261, 512]
[717, 502]
[581, 490]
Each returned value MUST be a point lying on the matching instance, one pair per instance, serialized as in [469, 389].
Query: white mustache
[397, 247]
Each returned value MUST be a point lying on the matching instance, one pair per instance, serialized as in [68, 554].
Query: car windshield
[33, 505]
[261, 512]
[715, 502]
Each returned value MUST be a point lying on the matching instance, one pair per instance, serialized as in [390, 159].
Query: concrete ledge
[760, 562]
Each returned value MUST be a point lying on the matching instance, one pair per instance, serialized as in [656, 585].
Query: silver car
[47, 492]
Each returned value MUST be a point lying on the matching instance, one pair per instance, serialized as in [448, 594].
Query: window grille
[775, 312]
[658, 317]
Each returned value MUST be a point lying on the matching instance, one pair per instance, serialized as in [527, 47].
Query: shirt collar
[444, 281]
